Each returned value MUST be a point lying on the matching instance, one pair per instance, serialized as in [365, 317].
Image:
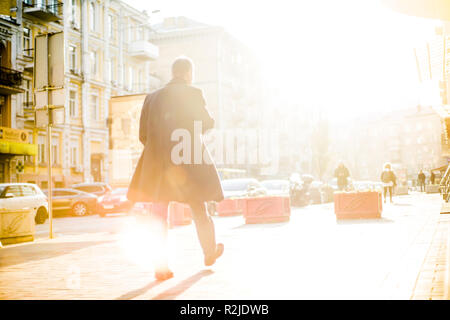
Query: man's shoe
[162, 275]
[209, 261]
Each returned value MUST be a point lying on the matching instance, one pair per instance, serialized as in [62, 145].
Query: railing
[445, 185]
[10, 77]
[53, 6]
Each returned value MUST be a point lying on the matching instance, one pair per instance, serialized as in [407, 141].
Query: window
[28, 191]
[72, 58]
[27, 95]
[52, 6]
[92, 16]
[55, 150]
[130, 78]
[27, 42]
[41, 149]
[139, 81]
[74, 13]
[94, 106]
[73, 103]
[112, 26]
[14, 190]
[112, 75]
[74, 153]
[93, 61]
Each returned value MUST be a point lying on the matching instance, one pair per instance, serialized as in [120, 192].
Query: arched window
[92, 16]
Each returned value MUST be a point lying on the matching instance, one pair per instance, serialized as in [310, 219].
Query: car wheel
[79, 209]
[41, 216]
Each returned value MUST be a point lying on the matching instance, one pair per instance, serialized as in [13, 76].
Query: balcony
[44, 10]
[143, 50]
[10, 80]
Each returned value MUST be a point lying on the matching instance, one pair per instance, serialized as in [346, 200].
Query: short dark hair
[181, 66]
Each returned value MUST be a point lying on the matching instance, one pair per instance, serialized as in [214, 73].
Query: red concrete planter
[266, 209]
[179, 214]
[229, 207]
[358, 205]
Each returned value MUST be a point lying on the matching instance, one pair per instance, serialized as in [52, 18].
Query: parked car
[276, 187]
[243, 187]
[16, 196]
[114, 202]
[77, 202]
[238, 188]
[363, 185]
[97, 188]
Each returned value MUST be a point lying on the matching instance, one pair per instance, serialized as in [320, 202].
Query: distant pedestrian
[432, 177]
[421, 180]
[389, 181]
[342, 174]
[160, 177]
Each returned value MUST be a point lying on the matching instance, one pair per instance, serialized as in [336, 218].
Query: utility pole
[49, 98]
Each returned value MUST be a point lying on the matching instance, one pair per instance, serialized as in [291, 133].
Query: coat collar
[177, 81]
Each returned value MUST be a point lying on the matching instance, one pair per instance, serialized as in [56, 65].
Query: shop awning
[18, 148]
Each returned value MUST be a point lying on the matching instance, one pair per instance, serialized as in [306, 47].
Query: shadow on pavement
[38, 251]
[175, 291]
[135, 293]
[363, 221]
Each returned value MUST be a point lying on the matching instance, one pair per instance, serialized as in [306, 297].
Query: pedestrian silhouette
[389, 181]
[167, 173]
[342, 174]
[421, 180]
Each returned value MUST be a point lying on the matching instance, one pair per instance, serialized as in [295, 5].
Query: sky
[347, 56]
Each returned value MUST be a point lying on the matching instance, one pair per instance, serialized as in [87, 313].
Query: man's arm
[143, 120]
[202, 113]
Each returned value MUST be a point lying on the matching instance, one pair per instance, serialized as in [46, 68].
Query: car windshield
[120, 191]
[237, 185]
[275, 184]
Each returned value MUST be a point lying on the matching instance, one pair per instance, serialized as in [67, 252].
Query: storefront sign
[13, 135]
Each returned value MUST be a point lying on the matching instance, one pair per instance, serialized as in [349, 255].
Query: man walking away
[165, 172]
[389, 181]
[421, 180]
[342, 174]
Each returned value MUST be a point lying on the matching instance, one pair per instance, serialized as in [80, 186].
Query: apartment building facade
[107, 53]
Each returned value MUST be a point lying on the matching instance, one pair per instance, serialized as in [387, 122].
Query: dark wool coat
[159, 177]
[341, 173]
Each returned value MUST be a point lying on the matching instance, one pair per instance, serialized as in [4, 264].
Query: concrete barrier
[358, 205]
[230, 207]
[179, 214]
[268, 209]
[17, 225]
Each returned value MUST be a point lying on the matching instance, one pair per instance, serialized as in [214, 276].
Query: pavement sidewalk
[401, 256]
